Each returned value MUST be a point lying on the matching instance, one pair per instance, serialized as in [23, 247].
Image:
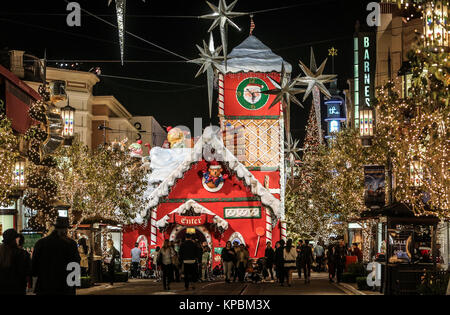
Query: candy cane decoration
[221, 95]
[153, 228]
[268, 216]
[283, 230]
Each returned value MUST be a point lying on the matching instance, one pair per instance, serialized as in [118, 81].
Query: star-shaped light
[285, 90]
[291, 149]
[332, 52]
[222, 16]
[121, 6]
[314, 77]
[209, 61]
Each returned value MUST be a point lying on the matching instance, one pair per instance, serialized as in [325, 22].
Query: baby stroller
[146, 269]
[255, 269]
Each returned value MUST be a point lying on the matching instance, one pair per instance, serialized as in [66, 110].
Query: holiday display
[136, 149]
[222, 16]
[176, 138]
[213, 179]
[210, 60]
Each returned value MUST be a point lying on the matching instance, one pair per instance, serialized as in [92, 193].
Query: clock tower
[252, 131]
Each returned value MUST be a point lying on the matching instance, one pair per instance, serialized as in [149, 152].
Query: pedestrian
[206, 257]
[14, 265]
[357, 252]
[331, 262]
[319, 253]
[111, 255]
[299, 256]
[135, 260]
[269, 254]
[307, 260]
[242, 262]
[154, 257]
[228, 258]
[236, 249]
[165, 262]
[175, 261]
[83, 251]
[189, 259]
[290, 257]
[51, 257]
[279, 261]
[27, 256]
[340, 259]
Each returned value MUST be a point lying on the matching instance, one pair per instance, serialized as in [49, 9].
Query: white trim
[238, 236]
[198, 208]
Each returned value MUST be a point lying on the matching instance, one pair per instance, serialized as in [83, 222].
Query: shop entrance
[197, 235]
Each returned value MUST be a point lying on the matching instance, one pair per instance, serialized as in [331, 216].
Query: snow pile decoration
[253, 56]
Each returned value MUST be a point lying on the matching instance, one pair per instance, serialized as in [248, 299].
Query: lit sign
[364, 72]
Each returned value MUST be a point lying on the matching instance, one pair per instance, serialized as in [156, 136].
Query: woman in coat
[289, 256]
[269, 254]
[330, 262]
[279, 261]
[228, 258]
[112, 255]
[83, 250]
[165, 261]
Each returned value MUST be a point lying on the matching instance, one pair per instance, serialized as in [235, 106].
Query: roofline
[112, 104]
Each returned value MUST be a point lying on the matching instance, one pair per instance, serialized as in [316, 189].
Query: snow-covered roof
[211, 138]
[198, 208]
[253, 56]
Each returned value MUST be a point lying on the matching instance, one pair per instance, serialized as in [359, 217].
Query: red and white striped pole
[283, 230]
[221, 95]
[153, 228]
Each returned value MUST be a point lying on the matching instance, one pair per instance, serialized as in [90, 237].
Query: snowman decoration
[213, 179]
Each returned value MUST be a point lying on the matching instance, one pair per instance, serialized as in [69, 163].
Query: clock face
[248, 93]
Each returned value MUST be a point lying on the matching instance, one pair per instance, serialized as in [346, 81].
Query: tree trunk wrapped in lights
[8, 155]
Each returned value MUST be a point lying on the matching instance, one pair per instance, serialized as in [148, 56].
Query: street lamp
[19, 173]
[68, 116]
[366, 126]
[62, 208]
[436, 23]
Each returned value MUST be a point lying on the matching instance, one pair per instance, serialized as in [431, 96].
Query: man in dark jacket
[189, 253]
[269, 254]
[339, 259]
[279, 261]
[51, 257]
[298, 259]
[14, 265]
[306, 260]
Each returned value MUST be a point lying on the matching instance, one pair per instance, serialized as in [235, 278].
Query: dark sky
[37, 25]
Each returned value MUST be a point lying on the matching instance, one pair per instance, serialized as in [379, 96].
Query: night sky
[34, 26]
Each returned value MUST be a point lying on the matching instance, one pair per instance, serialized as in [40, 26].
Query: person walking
[357, 252]
[83, 251]
[242, 262]
[51, 257]
[279, 261]
[206, 257]
[175, 261]
[269, 254]
[306, 260]
[111, 255]
[154, 257]
[135, 260]
[228, 258]
[14, 265]
[319, 253]
[189, 259]
[290, 257]
[298, 260]
[331, 252]
[165, 262]
[236, 249]
[340, 259]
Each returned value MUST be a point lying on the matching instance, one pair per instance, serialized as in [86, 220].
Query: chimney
[16, 57]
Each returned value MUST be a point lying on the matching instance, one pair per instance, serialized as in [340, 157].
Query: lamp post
[19, 173]
[366, 125]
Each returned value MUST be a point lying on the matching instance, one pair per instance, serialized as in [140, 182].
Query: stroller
[255, 270]
[147, 271]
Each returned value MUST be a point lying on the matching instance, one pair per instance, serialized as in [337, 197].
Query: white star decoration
[222, 16]
[284, 91]
[209, 61]
[314, 77]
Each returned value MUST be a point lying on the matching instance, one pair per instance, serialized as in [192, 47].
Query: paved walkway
[319, 286]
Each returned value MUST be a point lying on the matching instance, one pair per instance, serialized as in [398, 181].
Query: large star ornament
[285, 90]
[222, 16]
[210, 62]
[314, 77]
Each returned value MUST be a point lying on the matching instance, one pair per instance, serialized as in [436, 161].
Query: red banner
[190, 221]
